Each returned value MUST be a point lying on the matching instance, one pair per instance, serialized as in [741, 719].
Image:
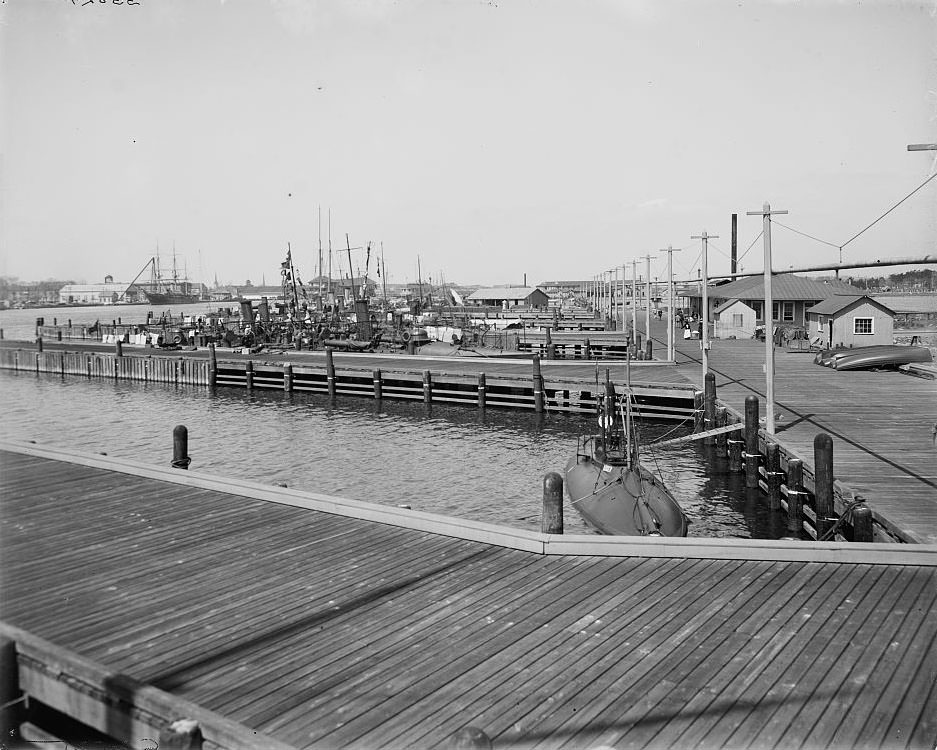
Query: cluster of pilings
[780, 474]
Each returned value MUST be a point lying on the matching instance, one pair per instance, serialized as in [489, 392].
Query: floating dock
[136, 596]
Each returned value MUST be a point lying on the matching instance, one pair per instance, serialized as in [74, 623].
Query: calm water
[442, 459]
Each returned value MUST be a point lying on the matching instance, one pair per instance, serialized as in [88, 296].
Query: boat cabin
[850, 320]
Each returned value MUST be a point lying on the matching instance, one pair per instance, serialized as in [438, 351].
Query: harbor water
[447, 459]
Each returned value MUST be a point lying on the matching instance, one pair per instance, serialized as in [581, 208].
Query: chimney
[525, 281]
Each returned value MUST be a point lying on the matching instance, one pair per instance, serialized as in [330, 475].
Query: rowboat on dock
[611, 489]
[866, 357]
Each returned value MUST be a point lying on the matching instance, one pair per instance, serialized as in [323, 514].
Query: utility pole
[635, 292]
[647, 306]
[704, 337]
[671, 353]
[766, 213]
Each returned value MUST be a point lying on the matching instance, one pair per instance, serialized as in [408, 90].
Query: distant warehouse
[509, 296]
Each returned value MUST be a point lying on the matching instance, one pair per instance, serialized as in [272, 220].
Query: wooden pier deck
[329, 623]
[882, 423]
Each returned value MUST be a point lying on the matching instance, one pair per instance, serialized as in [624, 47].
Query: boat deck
[329, 623]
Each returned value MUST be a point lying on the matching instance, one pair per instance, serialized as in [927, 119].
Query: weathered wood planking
[881, 422]
[322, 630]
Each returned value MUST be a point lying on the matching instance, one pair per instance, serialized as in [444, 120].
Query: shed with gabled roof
[850, 320]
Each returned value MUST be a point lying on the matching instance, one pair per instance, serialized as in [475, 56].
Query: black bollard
[180, 447]
[551, 521]
[288, 377]
[482, 390]
[862, 524]
[378, 384]
[823, 482]
[751, 441]
[709, 406]
[795, 495]
[249, 375]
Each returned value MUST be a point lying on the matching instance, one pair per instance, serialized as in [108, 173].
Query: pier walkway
[882, 423]
[323, 622]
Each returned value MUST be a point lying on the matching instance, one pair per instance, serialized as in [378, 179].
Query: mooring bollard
[649, 349]
[482, 390]
[773, 475]
[709, 406]
[862, 524]
[212, 365]
[378, 384]
[182, 734]
[823, 482]
[249, 374]
[288, 377]
[551, 521]
[330, 371]
[751, 441]
[537, 385]
[180, 447]
[427, 387]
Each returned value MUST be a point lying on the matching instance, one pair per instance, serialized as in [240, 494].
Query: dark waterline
[487, 466]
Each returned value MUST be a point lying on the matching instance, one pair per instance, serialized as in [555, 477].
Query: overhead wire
[889, 210]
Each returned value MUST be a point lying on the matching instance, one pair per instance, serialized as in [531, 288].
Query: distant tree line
[14, 290]
[924, 280]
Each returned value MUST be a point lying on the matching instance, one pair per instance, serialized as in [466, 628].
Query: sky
[480, 142]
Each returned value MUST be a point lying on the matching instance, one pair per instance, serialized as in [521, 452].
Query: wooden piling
[735, 454]
[795, 495]
[773, 475]
[649, 349]
[288, 377]
[378, 384]
[751, 441]
[11, 705]
[588, 349]
[709, 405]
[862, 524]
[551, 521]
[697, 411]
[482, 390]
[212, 365]
[330, 371]
[721, 421]
[249, 374]
[118, 348]
[39, 344]
[180, 447]
[427, 387]
[551, 349]
[537, 385]
[823, 482]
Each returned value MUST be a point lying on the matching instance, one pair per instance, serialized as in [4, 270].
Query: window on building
[775, 310]
[861, 326]
[737, 320]
[757, 306]
[787, 312]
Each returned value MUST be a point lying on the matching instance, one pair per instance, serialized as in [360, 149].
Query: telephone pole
[768, 315]
[704, 335]
[647, 294]
[671, 353]
[634, 300]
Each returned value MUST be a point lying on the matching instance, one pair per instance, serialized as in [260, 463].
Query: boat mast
[351, 272]
[384, 276]
[319, 306]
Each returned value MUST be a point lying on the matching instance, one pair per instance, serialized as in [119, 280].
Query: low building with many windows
[850, 320]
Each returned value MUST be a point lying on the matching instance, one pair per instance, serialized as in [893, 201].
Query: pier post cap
[552, 483]
[822, 440]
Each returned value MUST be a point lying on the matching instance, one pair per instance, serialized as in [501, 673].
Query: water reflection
[485, 465]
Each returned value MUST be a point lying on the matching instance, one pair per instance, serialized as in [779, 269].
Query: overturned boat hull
[892, 356]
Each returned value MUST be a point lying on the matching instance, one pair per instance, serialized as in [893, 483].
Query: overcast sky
[493, 139]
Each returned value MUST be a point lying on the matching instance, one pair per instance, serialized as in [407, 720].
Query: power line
[804, 234]
[889, 210]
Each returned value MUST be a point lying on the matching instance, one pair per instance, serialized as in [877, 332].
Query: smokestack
[525, 280]
[735, 246]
